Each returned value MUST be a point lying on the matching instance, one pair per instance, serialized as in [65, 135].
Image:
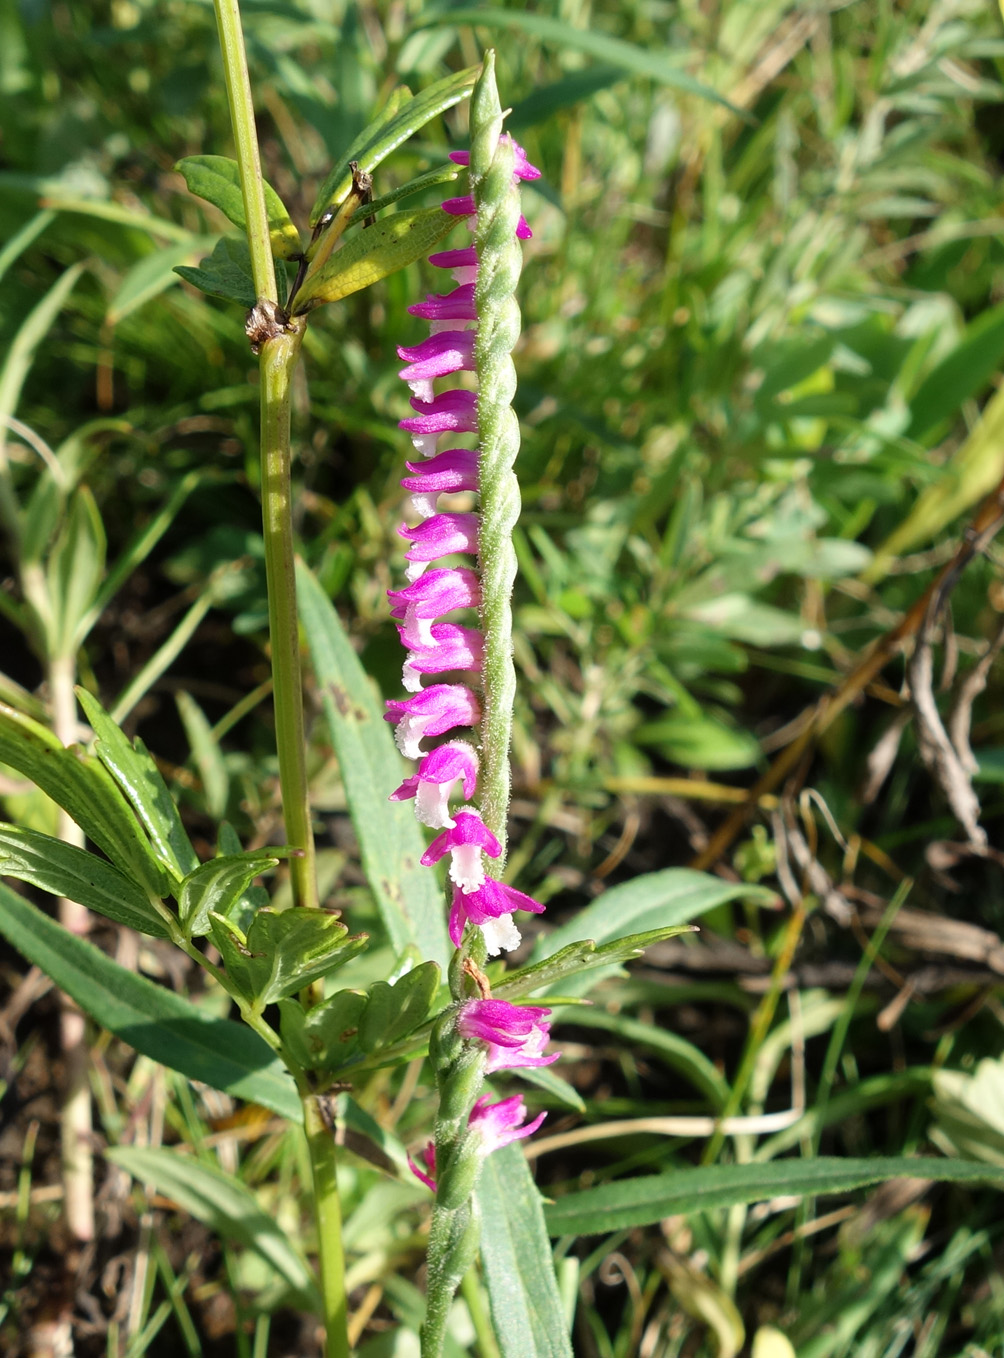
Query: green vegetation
[757, 623]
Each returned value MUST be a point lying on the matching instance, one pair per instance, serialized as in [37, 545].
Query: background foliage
[757, 388]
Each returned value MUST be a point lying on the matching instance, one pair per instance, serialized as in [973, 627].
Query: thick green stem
[321, 1143]
[235, 73]
[278, 360]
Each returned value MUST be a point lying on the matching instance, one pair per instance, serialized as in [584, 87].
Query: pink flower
[450, 351]
[452, 648]
[522, 169]
[429, 597]
[516, 1036]
[431, 786]
[442, 535]
[434, 711]
[445, 474]
[428, 1175]
[499, 1123]
[494, 1124]
[490, 907]
[457, 305]
[449, 412]
[465, 843]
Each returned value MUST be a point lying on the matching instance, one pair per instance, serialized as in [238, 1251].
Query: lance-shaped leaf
[380, 250]
[581, 957]
[75, 568]
[396, 1010]
[157, 1022]
[400, 118]
[224, 1204]
[218, 180]
[225, 273]
[325, 1037]
[445, 174]
[133, 768]
[85, 791]
[65, 870]
[216, 887]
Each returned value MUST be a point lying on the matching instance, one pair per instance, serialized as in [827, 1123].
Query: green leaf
[670, 897]
[75, 568]
[325, 1037]
[603, 47]
[964, 372]
[151, 276]
[578, 957]
[527, 1313]
[395, 124]
[292, 948]
[225, 1205]
[544, 1078]
[445, 174]
[86, 791]
[394, 1011]
[407, 895]
[133, 768]
[157, 1022]
[218, 180]
[699, 742]
[65, 870]
[218, 886]
[225, 273]
[206, 754]
[542, 104]
[641, 1201]
[379, 250]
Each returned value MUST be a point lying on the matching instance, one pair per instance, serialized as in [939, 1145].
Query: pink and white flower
[491, 908]
[437, 774]
[515, 1035]
[468, 839]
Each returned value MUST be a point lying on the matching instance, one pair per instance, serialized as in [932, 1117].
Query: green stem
[235, 72]
[499, 262]
[278, 361]
[321, 1143]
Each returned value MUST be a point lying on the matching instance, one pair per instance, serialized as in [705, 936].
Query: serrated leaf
[162, 1025]
[291, 948]
[407, 895]
[394, 125]
[394, 1011]
[527, 1314]
[379, 250]
[225, 1205]
[225, 273]
[641, 1201]
[325, 1037]
[86, 791]
[217, 179]
[218, 886]
[579, 957]
[65, 870]
[136, 773]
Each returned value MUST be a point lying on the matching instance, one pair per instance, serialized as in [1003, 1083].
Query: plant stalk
[235, 73]
[278, 361]
[327, 1208]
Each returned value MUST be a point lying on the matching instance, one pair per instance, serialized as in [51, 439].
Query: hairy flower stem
[499, 263]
